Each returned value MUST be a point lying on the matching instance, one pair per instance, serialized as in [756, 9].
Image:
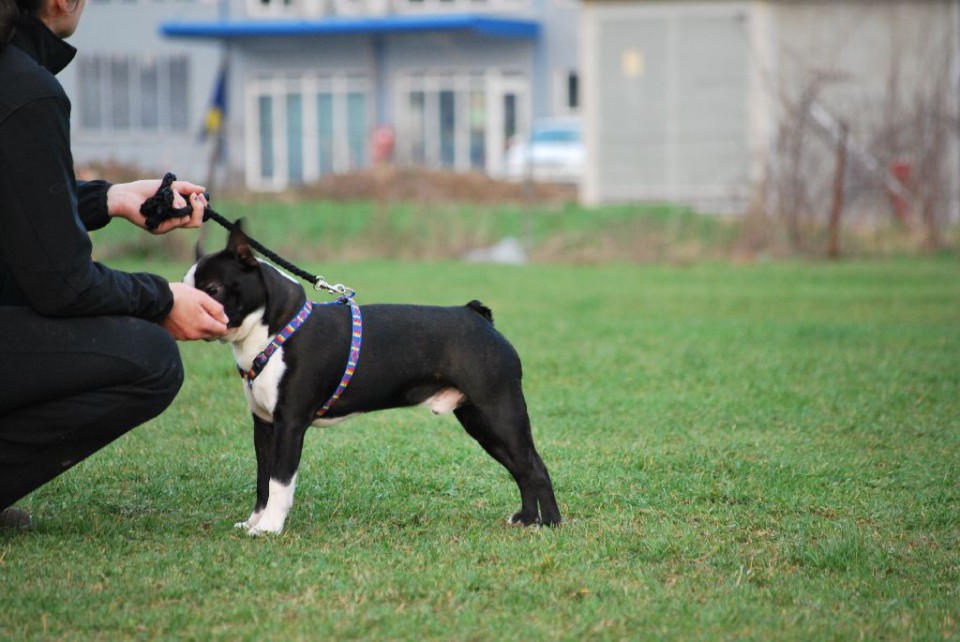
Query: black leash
[159, 208]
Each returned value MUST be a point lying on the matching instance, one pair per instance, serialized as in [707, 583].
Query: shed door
[672, 99]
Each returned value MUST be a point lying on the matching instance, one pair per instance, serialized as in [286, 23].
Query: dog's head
[244, 285]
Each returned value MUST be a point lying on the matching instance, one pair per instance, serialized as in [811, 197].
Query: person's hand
[195, 315]
[124, 200]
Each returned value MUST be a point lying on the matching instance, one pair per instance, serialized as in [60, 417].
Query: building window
[288, 8]
[132, 93]
[457, 5]
[272, 7]
[478, 129]
[448, 127]
[305, 127]
[566, 92]
[265, 121]
[459, 121]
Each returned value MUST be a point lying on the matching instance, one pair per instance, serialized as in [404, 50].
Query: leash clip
[339, 288]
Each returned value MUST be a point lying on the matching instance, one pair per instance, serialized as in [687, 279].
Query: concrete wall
[667, 98]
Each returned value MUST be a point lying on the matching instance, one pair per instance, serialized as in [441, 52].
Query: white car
[554, 154]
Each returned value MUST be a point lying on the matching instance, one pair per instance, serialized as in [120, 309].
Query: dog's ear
[198, 250]
[239, 244]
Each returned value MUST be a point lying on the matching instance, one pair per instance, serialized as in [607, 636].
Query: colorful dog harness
[356, 339]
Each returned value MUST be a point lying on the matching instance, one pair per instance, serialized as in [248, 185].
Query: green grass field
[741, 452]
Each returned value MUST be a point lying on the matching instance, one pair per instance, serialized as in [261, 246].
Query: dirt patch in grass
[407, 184]
[424, 186]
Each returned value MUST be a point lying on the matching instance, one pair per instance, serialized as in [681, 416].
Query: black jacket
[45, 214]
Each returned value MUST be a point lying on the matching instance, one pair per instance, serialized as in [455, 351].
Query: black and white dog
[450, 359]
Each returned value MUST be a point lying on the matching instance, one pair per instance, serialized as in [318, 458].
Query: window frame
[495, 84]
[99, 88]
[308, 87]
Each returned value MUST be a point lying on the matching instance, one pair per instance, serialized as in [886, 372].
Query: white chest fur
[248, 341]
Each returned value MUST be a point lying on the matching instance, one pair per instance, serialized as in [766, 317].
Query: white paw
[268, 522]
[274, 514]
[261, 528]
[250, 521]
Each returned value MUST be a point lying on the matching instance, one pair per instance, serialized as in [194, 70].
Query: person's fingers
[210, 316]
[211, 328]
[187, 188]
[179, 201]
[171, 224]
[195, 315]
[214, 308]
[192, 220]
[196, 215]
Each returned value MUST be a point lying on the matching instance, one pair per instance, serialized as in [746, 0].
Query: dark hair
[29, 7]
[9, 13]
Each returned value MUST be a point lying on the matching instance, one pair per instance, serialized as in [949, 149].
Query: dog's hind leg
[503, 430]
[262, 444]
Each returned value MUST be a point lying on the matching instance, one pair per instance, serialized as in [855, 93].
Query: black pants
[69, 387]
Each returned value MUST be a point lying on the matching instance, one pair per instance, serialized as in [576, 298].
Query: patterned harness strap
[356, 339]
[355, 342]
[260, 361]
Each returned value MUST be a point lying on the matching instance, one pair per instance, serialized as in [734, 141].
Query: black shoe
[14, 518]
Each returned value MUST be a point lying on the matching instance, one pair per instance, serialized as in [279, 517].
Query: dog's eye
[212, 289]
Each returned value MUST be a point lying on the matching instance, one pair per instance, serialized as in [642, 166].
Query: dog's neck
[249, 339]
[285, 296]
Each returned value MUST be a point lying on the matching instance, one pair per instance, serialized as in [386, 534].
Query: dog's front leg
[262, 444]
[281, 479]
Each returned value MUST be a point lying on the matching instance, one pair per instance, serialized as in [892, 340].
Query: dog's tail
[482, 310]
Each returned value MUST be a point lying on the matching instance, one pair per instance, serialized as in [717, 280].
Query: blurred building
[720, 103]
[319, 86]
[138, 98]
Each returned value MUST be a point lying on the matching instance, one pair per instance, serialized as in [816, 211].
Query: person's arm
[99, 201]
[92, 204]
[43, 239]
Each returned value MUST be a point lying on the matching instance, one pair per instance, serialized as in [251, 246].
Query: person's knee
[170, 378]
[158, 359]
[170, 366]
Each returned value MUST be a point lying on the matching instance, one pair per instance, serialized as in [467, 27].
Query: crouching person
[87, 352]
